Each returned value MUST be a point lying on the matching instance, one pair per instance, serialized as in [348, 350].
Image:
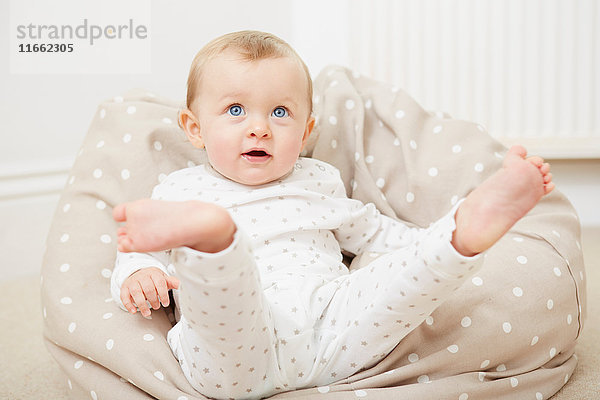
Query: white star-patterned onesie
[278, 310]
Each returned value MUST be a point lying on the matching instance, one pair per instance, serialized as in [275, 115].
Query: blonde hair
[252, 46]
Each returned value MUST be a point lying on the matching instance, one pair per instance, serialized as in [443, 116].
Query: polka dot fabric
[509, 332]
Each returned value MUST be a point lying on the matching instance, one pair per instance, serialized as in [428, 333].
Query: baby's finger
[127, 300]
[140, 300]
[172, 282]
[149, 289]
[161, 288]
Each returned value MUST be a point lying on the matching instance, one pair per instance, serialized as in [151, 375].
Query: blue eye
[235, 111]
[280, 112]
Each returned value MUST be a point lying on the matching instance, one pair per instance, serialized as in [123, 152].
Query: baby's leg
[375, 307]
[154, 225]
[500, 201]
[224, 341]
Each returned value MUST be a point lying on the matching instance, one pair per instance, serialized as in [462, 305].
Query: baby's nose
[259, 130]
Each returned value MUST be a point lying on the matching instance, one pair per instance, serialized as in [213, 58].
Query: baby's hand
[149, 284]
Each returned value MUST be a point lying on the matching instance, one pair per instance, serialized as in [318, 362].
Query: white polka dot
[518, 239]
[413, 357]
[437, 129]
[97, 173]
[100, 144]
[356, 156]
[369, 159]
[463, 396]
[481, 376]
[148, 337]
[360, 393]
[159, 375]
[70, 384]
[107, 273]
[66, 207]
[93, 395]
[466, 322]
[118, 99]
[507, 327]
[550, 304]
[72, 327]
[566, 378]
[349, 104]
[485, 364]
[131, 109]
[127, 138]
[423, 379]
[522, 260]
[452, 349]
[64, 267]
[429, 320]
[333, 120]
[105, 239]
[66, 300]
[108, 315]
[555, 233]
[64, 238]
[413, 144]
[569, 319]
[410, 197]
[44, 312]
[552, 352]
[454, 200]
[399, 114]
[514, 382]
[433, 172]
[368, 104]
[78, 364]
[182, 398]
[71, 180]
[333, 83]
[456, 149]
[125, 174]
[334, 144]
[380, 183]
[557, 271]
[501, 368]
[109, 344]
[517, 291]
[539, 396]
[158, 146]
[396, 142]
[477, 281]
[481, 128]
[167, 120]
[478, 167]
[102, 113]
[534, 340]
[323, 389]
[100, 205]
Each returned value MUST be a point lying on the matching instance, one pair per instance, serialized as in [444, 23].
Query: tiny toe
[545, 168]
[536, 160]
[518, 150]
[547, 178]
[119, 213]
[122, 231]
[125, 245]
[549, 187]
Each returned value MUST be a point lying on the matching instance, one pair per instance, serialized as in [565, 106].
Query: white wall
[45, 117]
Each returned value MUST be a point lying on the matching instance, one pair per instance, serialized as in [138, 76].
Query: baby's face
[253, 116]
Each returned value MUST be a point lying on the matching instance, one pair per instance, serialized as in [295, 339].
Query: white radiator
[528, 70]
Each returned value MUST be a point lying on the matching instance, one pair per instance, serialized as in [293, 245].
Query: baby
[253, 239]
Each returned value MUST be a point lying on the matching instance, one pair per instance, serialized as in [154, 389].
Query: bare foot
[500, 201]
[155, 225]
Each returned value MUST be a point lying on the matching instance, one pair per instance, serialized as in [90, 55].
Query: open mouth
[256, 155]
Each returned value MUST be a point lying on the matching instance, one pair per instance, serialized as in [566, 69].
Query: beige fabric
[508, 333]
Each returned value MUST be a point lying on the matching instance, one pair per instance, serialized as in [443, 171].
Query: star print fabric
[278, 309]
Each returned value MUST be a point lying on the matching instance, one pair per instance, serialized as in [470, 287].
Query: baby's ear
[310, 124]
[190, 125]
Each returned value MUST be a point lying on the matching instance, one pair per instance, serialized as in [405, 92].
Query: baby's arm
[147, 285]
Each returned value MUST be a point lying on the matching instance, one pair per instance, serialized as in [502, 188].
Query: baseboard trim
[21, 180]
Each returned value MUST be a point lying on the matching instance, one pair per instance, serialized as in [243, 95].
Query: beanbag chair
[509, 333]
